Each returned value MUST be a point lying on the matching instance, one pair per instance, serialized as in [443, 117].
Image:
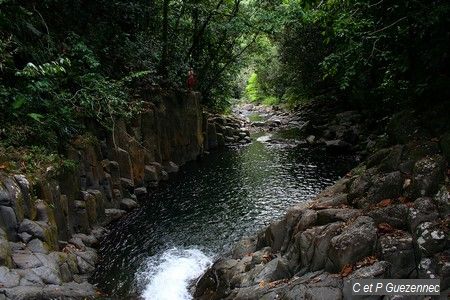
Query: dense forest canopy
[62, 61]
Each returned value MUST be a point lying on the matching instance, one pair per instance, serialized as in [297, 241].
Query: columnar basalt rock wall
[49, 228]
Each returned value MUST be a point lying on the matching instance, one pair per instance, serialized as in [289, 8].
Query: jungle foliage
[65, 61]
[378, 54]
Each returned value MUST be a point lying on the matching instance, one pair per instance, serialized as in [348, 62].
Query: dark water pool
[203, 209]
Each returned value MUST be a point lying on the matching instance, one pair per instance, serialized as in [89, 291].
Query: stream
[157, 250]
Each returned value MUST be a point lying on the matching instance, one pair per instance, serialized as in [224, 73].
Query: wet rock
[113, 214]
[151, 174]
[128, 204]
[29, 278]
[354, 243]
[398, 250]
[171, 167]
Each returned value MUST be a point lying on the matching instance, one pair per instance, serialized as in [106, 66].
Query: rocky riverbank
[50, 226]
[387, 218]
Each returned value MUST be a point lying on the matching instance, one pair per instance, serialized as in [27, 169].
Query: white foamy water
[169, 275]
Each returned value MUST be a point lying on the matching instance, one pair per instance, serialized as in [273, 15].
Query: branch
[387, 27]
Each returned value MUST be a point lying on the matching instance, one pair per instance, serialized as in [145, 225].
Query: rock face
[46, 242]
[388, 218]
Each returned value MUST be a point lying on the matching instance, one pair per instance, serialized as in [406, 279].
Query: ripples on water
[203, 210]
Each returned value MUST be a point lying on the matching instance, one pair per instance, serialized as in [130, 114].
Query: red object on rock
[192, 80]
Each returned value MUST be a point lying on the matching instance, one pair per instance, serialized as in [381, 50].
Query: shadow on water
[209, 205]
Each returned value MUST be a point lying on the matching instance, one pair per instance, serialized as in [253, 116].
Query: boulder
[384, 186]
[428, 175]
[338, 146]
[113, 214]
[8, 221]
[276, 269]
[398, 250]
[423, 210]
[171, 167]
[331, 215]
[151, 174]
[128, 204]
[354, 243]
[431, 238]
[314, 244]
[395, 215]
[8, 278]
[37, 246]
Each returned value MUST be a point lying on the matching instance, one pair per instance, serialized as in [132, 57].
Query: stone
[442, 201]
[140, 192]
[29, 278]
[276, 269]
[338, 146]
[431, 238]
[113, 214]
[331, 215]
[8, 221]
[33, 228]
[354, 243]
[428, 175]
[314, 244]
[8, 278]
[84, 266]
[70, 290]
[127, 184]
[171, 167]
[164, 175]
[423, 210]
[384, 186]
[379, 269]
[151, 174]
[310, 139]
[88, 240]
[398, 250]
[25, 237]
[128, 204]
[37, 246]
[26, 260]
[395, 215]
[48, 275]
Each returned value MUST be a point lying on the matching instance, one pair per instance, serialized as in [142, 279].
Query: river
[157, 250]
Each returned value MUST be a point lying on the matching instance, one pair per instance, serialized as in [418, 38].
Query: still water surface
[158, 249]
